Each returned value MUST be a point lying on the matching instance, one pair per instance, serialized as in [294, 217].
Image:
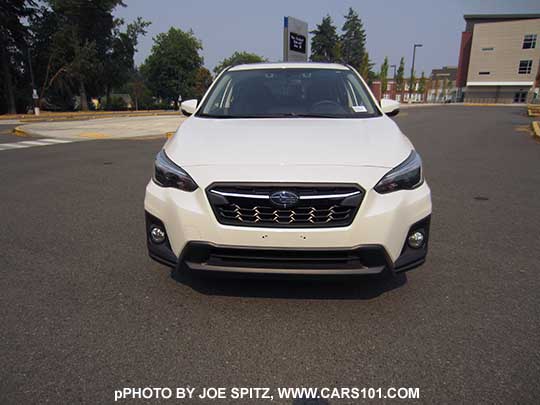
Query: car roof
[289, 65]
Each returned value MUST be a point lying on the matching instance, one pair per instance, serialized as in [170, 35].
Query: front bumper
[373, 243]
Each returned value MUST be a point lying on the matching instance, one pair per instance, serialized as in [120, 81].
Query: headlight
[168, 174]
[406, 176]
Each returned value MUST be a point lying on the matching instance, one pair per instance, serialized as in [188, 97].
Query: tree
[422, 83]
[444, 89]
[412, 84]
[73, 40]
[353, 40]
[172, 65]
[138, 91]
[119, 65]
[238, 58]
[325, 42]
[78, 47]
[399, 75]
[365, 68]
[449, 87]
[384, 75]
[436, 88]
[13, 46]
[203, 80]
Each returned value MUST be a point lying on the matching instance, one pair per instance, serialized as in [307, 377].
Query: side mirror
[188, 107]
[390, 107]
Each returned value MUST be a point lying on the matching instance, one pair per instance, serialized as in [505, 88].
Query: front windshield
[291, 92]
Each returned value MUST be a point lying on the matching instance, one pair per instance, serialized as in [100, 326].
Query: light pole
[412, 71]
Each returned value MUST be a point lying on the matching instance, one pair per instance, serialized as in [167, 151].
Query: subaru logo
[284, 199]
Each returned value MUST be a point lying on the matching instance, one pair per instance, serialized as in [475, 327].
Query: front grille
[317, 205]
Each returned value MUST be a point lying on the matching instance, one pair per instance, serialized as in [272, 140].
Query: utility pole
[411, 84]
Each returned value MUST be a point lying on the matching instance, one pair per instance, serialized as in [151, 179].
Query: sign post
[295, 36]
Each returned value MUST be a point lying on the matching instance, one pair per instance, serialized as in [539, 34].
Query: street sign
[295, 37]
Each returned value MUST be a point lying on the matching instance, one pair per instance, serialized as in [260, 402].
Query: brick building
[499, 58]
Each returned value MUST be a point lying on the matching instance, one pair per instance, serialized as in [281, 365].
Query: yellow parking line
[18, 131]
[536, 129]
[522, 128]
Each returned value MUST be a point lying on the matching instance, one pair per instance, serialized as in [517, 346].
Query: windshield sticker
[359, 108]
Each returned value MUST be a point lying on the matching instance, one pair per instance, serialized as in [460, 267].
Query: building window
[488, 49]
[484, 73]
[520, 97]
[525, 67]
[529, 41]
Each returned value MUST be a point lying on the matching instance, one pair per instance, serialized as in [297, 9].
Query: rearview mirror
[188, 107]
[390, 107]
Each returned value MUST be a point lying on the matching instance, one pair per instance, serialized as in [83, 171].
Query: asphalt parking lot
[84, 311]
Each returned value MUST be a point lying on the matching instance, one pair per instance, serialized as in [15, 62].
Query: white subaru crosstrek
[289, 168]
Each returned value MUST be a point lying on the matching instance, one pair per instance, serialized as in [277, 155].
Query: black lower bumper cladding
[409, 257]
[161, 252]
[370, 259]
[364, 259]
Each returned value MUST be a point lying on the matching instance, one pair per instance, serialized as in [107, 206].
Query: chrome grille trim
[302, 197]
[319, 205]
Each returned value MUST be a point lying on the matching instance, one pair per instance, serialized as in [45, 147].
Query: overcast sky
[392, 26]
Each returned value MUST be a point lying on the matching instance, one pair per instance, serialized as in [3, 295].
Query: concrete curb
[18, 131]
[536, 129]
[28, 118]
[533, 110]
[113, 128]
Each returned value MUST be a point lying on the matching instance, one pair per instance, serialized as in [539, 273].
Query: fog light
[416, 240]
[157, 234]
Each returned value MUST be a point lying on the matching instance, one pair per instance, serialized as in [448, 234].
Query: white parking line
[11, 146]
[55, 140]
[38, 142]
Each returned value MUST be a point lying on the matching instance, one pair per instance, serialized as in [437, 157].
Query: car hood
[375, 142]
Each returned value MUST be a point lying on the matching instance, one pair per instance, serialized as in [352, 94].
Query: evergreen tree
[412, 84]
[325, 42]
[422, 84]
[365, 68]
[399, 75]
[383, 76]
[13, 46]
[353, 40]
